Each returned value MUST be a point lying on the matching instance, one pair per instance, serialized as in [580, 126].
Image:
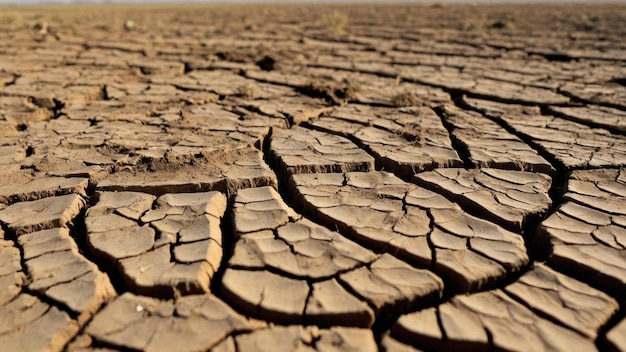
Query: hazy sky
[326, 1]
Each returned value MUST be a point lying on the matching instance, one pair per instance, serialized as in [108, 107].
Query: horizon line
[147, 2]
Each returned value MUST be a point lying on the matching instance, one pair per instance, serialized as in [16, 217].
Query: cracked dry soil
[246, 178]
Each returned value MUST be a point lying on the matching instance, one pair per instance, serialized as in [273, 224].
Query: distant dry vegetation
[337, 93]
[334, 18]
[335, 21]
[11, 21]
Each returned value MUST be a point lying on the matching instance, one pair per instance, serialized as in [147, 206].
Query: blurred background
[294, 1]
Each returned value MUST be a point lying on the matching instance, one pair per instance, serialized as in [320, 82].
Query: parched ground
[331, 178]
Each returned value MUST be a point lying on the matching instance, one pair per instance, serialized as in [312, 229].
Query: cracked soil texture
[313, 178]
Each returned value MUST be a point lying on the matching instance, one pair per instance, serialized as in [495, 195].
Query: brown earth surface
[313, 177]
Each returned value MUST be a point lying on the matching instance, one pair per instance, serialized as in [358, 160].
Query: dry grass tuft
[335, 21]
[406, 99]
[11, 21]
[337, 93]
[245, 91]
